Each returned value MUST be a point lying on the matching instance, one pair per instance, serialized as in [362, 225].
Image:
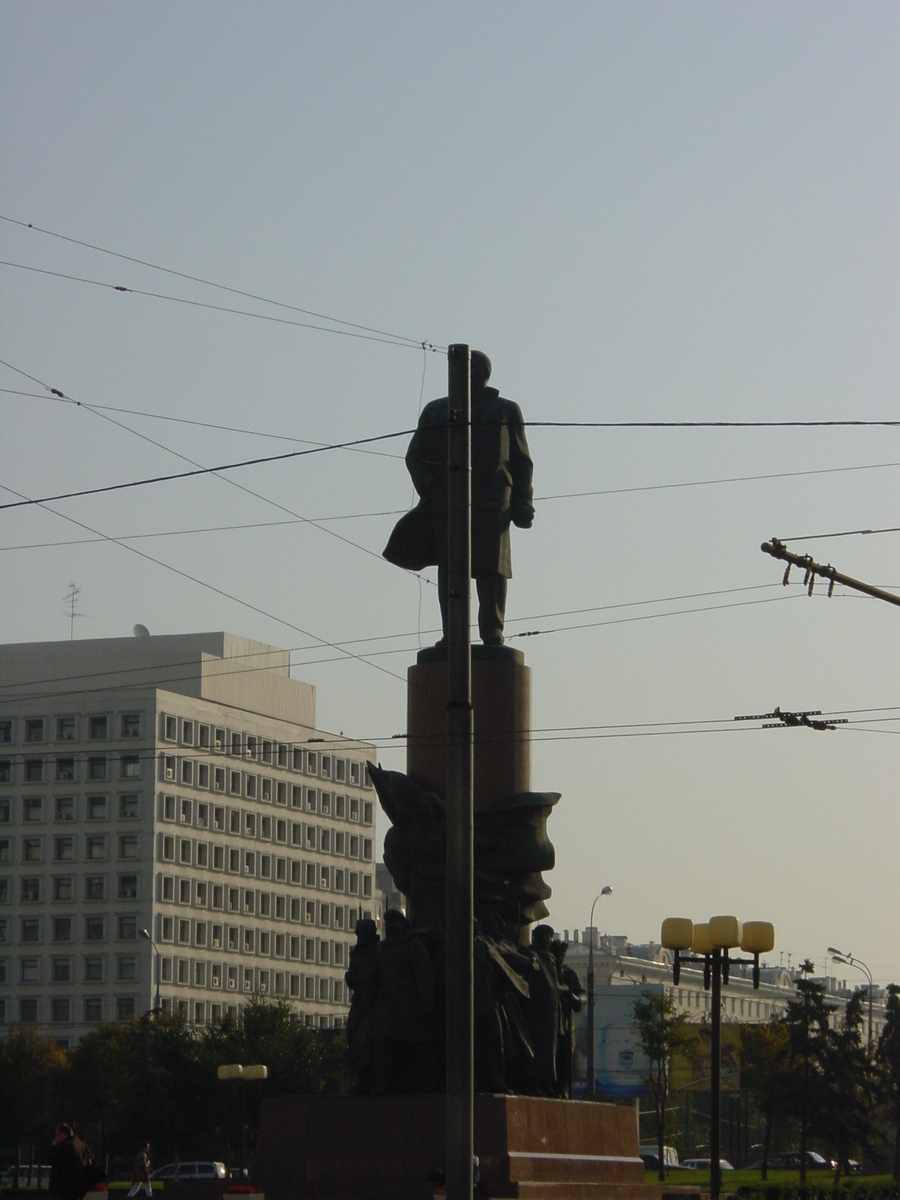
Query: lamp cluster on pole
[709, 945]
[848, 960]
[591, 1076]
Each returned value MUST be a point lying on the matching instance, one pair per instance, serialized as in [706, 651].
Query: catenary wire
[111, 673]
[413, 342]
[385, 339]
[211, 587]
[814, 537]
[138, 412]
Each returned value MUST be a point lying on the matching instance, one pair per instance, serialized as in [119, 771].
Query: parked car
[650, 1154]
[189, 1171]
[790, 1161]
[703, 1164]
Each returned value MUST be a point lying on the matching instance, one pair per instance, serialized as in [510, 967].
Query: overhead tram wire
[168, 478]
[230, 482]
[399, 339]
[138, 412]
[712, 725]
[187, 662]
[388, 339]
[347, 654]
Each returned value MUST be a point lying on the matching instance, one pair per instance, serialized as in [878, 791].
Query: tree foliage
[771, 1070]
[887, 1061]
[156, 1080]
[662, 1031]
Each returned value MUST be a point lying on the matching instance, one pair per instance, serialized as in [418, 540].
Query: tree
[887, 1060]
[772, 1072]
[662, 1031]
[32, 1078]
[806, 1020]
[845, 1109]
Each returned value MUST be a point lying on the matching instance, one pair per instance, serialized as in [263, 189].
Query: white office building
[177, 785]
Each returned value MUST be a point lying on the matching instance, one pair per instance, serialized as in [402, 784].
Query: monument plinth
[501, 702]
[387, 1147]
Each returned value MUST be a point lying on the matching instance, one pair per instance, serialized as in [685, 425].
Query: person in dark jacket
[69, 1158]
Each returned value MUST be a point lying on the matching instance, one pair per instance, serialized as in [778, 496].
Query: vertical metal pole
[591, 1070]
[460, 1032]
[715, 1180]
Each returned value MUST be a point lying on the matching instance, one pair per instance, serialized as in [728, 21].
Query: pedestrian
[140, 1175]
[69, 1160]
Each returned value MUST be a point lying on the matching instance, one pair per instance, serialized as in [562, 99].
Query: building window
[61, 970]
[93, 1009]
[62, 929]
[185, 852]
[131, 766]
[126, 968]
[94, 929]
[30, 889]
[169, 767]
[96, 808]
[251, 787]
[29, 970]
[30, 929]
[130, 725]
[31, 849]
[96, 768]
[94, 887]
[167, 935]
[32, 808]
[65, 770]
[168, 849]
[95, 847]
[129, 806]
[4, 850]
[59, 1011]
[168, 808]
[5, 770]
[65, 729]
[128, 885]
[5, 731]
[171, 729]
[65, 808]
[34, 729]
[94, 970]
[128, 845]
[62, 887]
[234, 783]
[124, 1008]
[34, 770]
[98, 728]
[126, 928]
[28, 1012]
[187, 771]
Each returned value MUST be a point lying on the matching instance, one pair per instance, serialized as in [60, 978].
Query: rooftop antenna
[71, 600]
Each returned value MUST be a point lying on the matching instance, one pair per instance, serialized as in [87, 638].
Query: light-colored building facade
[177, 785]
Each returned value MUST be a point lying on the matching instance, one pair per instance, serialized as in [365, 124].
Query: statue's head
[394, 922]
[542, 937]
[481, 370]
[559, 948]
[366, 930]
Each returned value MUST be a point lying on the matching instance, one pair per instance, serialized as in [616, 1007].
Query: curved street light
[591, 1080]
[848, 960]
[145, 933]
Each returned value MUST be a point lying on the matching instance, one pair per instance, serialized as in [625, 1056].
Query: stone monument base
[385, 1148]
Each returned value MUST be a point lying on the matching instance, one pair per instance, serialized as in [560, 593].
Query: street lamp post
[848, 960]
[145, 933]
[709, 944]
[591, 1080]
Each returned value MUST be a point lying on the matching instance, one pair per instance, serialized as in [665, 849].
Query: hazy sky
[641, 212]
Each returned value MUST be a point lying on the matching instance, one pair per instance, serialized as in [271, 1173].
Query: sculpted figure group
[524, 1001]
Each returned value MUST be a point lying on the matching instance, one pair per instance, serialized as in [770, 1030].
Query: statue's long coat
[501, 486]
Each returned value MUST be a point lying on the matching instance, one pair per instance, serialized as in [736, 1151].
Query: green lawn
[732, 1180]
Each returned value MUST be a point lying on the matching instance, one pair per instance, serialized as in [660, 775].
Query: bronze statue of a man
[501, 494]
